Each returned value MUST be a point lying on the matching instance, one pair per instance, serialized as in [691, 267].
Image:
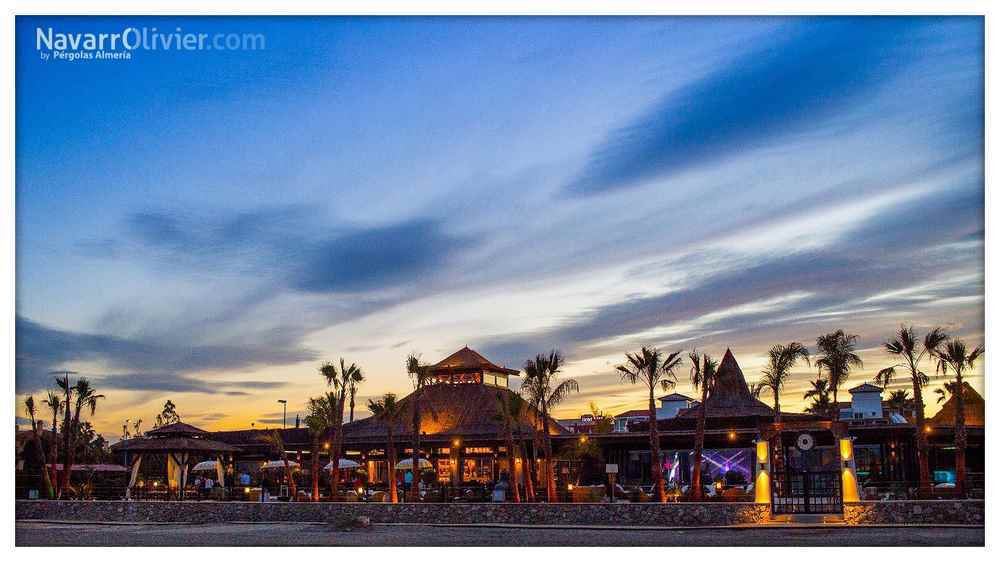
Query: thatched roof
[173, 444]
[466, 359]
[730, 396]
[461, 409]
[177, 428]
[975, 409]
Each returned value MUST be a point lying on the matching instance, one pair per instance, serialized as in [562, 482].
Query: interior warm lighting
[732, 436]
[927, 429]
[569, 487]
[583, 439]
[718, 485]
[456, 443]
[762, 452]
[246, 490]
[846, 450]
[326, 445]
[361, 491]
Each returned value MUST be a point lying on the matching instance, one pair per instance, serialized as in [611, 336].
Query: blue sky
[209, 226]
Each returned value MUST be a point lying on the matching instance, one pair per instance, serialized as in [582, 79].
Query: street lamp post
[284, 411]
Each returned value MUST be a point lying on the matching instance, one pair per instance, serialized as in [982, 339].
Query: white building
[672, 404]
[866, 403]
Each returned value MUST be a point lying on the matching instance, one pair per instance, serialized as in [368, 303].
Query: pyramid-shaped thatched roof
[459, 409]
[975, 409]
[468, 359]
[730, 396]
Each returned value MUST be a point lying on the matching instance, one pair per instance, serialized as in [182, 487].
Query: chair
[379, 497]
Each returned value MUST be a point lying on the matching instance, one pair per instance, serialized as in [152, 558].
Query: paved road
[274, 534]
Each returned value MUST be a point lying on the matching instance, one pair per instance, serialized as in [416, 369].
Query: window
[444, 470]
[477, 470]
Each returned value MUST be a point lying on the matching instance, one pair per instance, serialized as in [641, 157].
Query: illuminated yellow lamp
[849, 480]
[846, 450]
[326, 446]
[762, 452]
[732, 436]
[456, 443]
[569, 487]
[583, 439]
[762, 488]
[360, 490]
[927, 429]
[246, 490]
[718, 485]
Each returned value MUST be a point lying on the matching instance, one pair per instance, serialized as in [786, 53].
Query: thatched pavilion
[181, 444]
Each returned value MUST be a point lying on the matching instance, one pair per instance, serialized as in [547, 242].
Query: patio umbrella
[279, 464]
[407, 464]
[344, 463]
[205, 466]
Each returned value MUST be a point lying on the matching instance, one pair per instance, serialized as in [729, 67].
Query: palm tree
[64, 385]
[703, 371]
[540, 384]
[820, 394]
[55, 405]
[86, 397]
[510, 409]
[29, 408]
[781, 359]
[340, 379]
[387, 411]
[650, 368]
[954, 356]
[319, 420]
[907, 349]
[421, 377]
[278, 444]
[944, 393]
[352, 390]
[837, 356]
[898, 400]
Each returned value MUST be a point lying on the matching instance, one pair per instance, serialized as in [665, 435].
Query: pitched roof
[458, 409]
[975, 409]
[177, 428]
[467, 358]
[865, 387]
[676, 397]
[634, 414]
[730, 396]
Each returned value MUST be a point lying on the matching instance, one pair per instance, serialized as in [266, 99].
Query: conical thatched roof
[975, 409]
[730, 396]
[458, 409]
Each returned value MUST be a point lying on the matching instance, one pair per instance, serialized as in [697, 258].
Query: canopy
[407, 464]
[280, 464]
[205, 466]
[344, 463]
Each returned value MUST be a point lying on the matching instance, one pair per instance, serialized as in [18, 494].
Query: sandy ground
[311, 534]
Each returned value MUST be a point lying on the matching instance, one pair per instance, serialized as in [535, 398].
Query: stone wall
[637, 514]
[955, 512]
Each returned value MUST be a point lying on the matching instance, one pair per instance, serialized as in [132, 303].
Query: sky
[210, 226]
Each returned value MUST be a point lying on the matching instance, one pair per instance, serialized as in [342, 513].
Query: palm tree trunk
[49, 491]
[391, 453]
[777, 407]
[699, 444]
[960, 436]
[550, 471]
[314, 467]
[512, 464]
[335, 449]
[54, 453]
[526, 473]
[923, 468]
[656, 468]
[67, 422]
[414, 487]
